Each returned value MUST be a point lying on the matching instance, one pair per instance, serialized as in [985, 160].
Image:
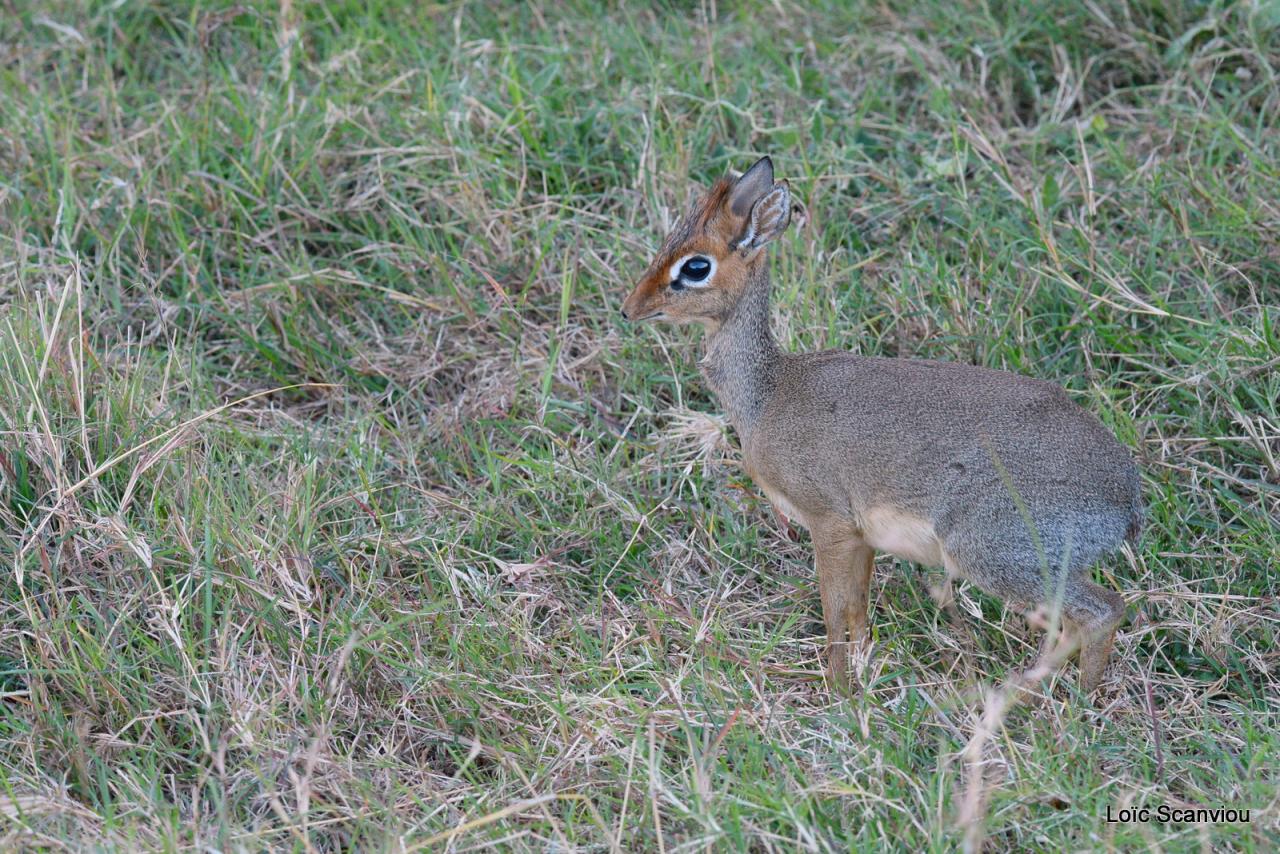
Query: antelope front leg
[844, 580]
[862, 562]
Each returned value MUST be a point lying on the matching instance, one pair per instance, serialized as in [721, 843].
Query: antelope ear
[751, 186]
[769, 217]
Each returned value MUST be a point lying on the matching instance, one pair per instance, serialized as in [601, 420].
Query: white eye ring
[673, 272]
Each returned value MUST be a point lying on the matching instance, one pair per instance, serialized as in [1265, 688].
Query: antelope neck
[741, 362]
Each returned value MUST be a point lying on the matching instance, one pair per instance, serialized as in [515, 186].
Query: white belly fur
[783, 506]
[901, 534]
[884, 528]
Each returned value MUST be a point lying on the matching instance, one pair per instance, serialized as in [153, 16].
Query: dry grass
[341, 513]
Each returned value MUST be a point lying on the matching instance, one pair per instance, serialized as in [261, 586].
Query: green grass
[339, 511]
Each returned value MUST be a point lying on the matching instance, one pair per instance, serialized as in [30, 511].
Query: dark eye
[695, 269]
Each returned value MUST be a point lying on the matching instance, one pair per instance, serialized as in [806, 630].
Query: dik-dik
[998, 478]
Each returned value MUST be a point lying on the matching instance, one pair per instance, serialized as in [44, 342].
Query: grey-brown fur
[1001, 478]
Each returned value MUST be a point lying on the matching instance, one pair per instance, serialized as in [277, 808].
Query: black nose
[625, 316]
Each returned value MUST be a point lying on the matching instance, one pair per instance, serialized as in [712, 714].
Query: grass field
[339, 510]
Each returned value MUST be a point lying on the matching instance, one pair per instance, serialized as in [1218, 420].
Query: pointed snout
[637, 304]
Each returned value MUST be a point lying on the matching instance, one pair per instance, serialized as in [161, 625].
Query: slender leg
[1090, 614]
[863, 561]
[1095, 613]
[843, 580]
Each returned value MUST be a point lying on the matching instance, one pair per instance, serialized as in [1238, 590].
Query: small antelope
[999, 478]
